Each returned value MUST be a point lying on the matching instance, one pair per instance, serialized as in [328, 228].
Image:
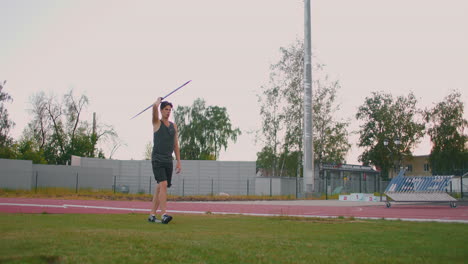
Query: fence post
[326, 186]
[375, 184]
[360, 183]
[271, 187]
[35, 188]
[296, 186]
[76, 186]
[380, 186]
[212, 186]
[149, 190]
[461, 186]
[115, 182]
[183, 187]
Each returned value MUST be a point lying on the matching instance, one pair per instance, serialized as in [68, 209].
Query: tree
[330, 136]
[6, 125]
[281, 109]
[271, 126]
[28, 149]
[449, 153]
[386, 118]
[148, 150]
[59, 130]
[203, 131]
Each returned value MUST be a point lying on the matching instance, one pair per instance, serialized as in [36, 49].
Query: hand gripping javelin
[163, 98]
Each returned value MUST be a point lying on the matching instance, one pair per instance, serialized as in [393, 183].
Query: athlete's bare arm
[177, 150]
[156, 121]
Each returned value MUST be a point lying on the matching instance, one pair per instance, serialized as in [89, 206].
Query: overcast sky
[124, 54]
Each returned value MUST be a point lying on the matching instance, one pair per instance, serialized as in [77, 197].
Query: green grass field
[128, 238]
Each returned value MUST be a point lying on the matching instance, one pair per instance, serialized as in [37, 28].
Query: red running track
[415, 212]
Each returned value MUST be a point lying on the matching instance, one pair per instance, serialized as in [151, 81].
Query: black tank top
[163, 143]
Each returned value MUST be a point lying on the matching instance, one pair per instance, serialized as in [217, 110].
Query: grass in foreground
[128, 238]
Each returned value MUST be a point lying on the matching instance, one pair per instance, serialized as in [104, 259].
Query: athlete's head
[166, 109]
[164, 104]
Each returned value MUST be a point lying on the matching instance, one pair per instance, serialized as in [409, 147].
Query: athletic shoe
[166, 219]
[153, 219]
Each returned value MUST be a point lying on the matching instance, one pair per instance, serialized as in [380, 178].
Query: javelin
[163, 98]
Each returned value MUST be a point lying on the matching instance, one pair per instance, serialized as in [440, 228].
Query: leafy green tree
[289, 77]
[282, 114]
[330, 136]
[449, 153]
[6, 142]
[289, 162]
[266, 157]
[387, 119]
[27, 149]
[203, 131]
[271, 127]
[59, 130]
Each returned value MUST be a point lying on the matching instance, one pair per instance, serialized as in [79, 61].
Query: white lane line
[105, 207]
[33, 205]
[234, 213]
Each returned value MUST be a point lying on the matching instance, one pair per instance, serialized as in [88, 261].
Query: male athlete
[164, 143]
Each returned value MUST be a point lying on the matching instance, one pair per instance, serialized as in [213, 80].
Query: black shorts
[162, 172]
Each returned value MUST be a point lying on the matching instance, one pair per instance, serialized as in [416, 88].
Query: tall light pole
[308, 155]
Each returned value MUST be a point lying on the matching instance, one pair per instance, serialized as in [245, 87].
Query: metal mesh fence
[197, 178]
[192, 187]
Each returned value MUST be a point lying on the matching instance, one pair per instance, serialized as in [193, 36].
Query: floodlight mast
[308, 151]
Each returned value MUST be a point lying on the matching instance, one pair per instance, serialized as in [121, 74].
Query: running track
[413, 212]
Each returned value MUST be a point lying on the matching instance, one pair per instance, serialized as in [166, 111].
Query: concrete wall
[16, 174]
[291, 186]
[22, 174]
[198, 177]
[278, 186]
[268, 186]
[133, 174]
[72, 177]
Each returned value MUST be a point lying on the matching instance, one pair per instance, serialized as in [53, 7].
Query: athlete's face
[166, 111]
